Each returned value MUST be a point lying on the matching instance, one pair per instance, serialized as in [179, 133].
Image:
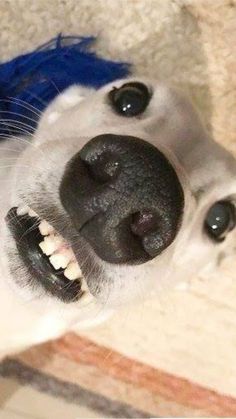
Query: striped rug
[82, 372]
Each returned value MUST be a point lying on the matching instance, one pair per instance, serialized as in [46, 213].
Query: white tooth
[32, 213]
[45, 228]
[61, 260]
[84, 286]
[50, 244]
[73, 271]
[47, 250]
[55, 261]
[22, 210]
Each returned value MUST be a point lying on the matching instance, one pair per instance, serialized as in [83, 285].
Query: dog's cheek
[70, 98]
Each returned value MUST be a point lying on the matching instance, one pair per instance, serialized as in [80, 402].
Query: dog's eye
[220, 219]
[131, 99]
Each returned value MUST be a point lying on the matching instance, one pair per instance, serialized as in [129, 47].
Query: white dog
[119, 193]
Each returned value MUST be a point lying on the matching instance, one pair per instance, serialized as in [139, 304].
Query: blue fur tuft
[29, 82]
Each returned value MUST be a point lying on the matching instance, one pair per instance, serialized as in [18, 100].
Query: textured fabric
[82, 372]
[68, 391]
[29, 82]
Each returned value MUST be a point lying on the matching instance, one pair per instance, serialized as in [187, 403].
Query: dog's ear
[69, 98]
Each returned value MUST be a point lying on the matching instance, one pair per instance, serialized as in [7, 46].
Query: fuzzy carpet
[188, 42]
[109, 385]
[191, 43]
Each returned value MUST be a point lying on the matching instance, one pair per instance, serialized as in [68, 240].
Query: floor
[23, 402]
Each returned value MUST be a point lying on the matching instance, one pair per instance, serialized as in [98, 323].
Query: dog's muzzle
[124, 198]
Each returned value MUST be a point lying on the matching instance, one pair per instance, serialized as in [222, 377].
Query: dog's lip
[27, 237]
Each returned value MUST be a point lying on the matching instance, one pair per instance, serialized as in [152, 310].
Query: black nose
[124, 198]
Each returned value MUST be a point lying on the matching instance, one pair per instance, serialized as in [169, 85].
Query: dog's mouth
[47, 256]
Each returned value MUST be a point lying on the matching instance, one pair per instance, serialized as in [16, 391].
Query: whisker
[9, 149]
[18, 125]
[54, 85]
[24, 104]
[14, 218]
[43, 102]
[18, 138]
[15, 138]
[7, 159]
[30, 229]
[13, 152]
[12, 165]
[9, 131]
[19, 221]
[19, 114]
[24, 140]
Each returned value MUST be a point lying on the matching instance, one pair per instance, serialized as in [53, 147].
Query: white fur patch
[70, 98]
[52, 117]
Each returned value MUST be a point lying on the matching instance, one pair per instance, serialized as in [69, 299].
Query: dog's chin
[47, 256]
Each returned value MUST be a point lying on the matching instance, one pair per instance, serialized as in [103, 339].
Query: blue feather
[30, 81]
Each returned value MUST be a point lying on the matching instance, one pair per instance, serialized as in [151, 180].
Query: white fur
[206, 171]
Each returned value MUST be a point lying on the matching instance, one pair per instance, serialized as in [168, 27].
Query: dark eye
[220, 219]
[131, 99]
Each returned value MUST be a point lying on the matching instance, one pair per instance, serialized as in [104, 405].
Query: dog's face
[127, 194]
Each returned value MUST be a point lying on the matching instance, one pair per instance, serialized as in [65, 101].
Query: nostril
[154, 244]
[103, 167]
[144, 222]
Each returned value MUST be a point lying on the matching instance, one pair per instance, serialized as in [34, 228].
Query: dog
[120, 192]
